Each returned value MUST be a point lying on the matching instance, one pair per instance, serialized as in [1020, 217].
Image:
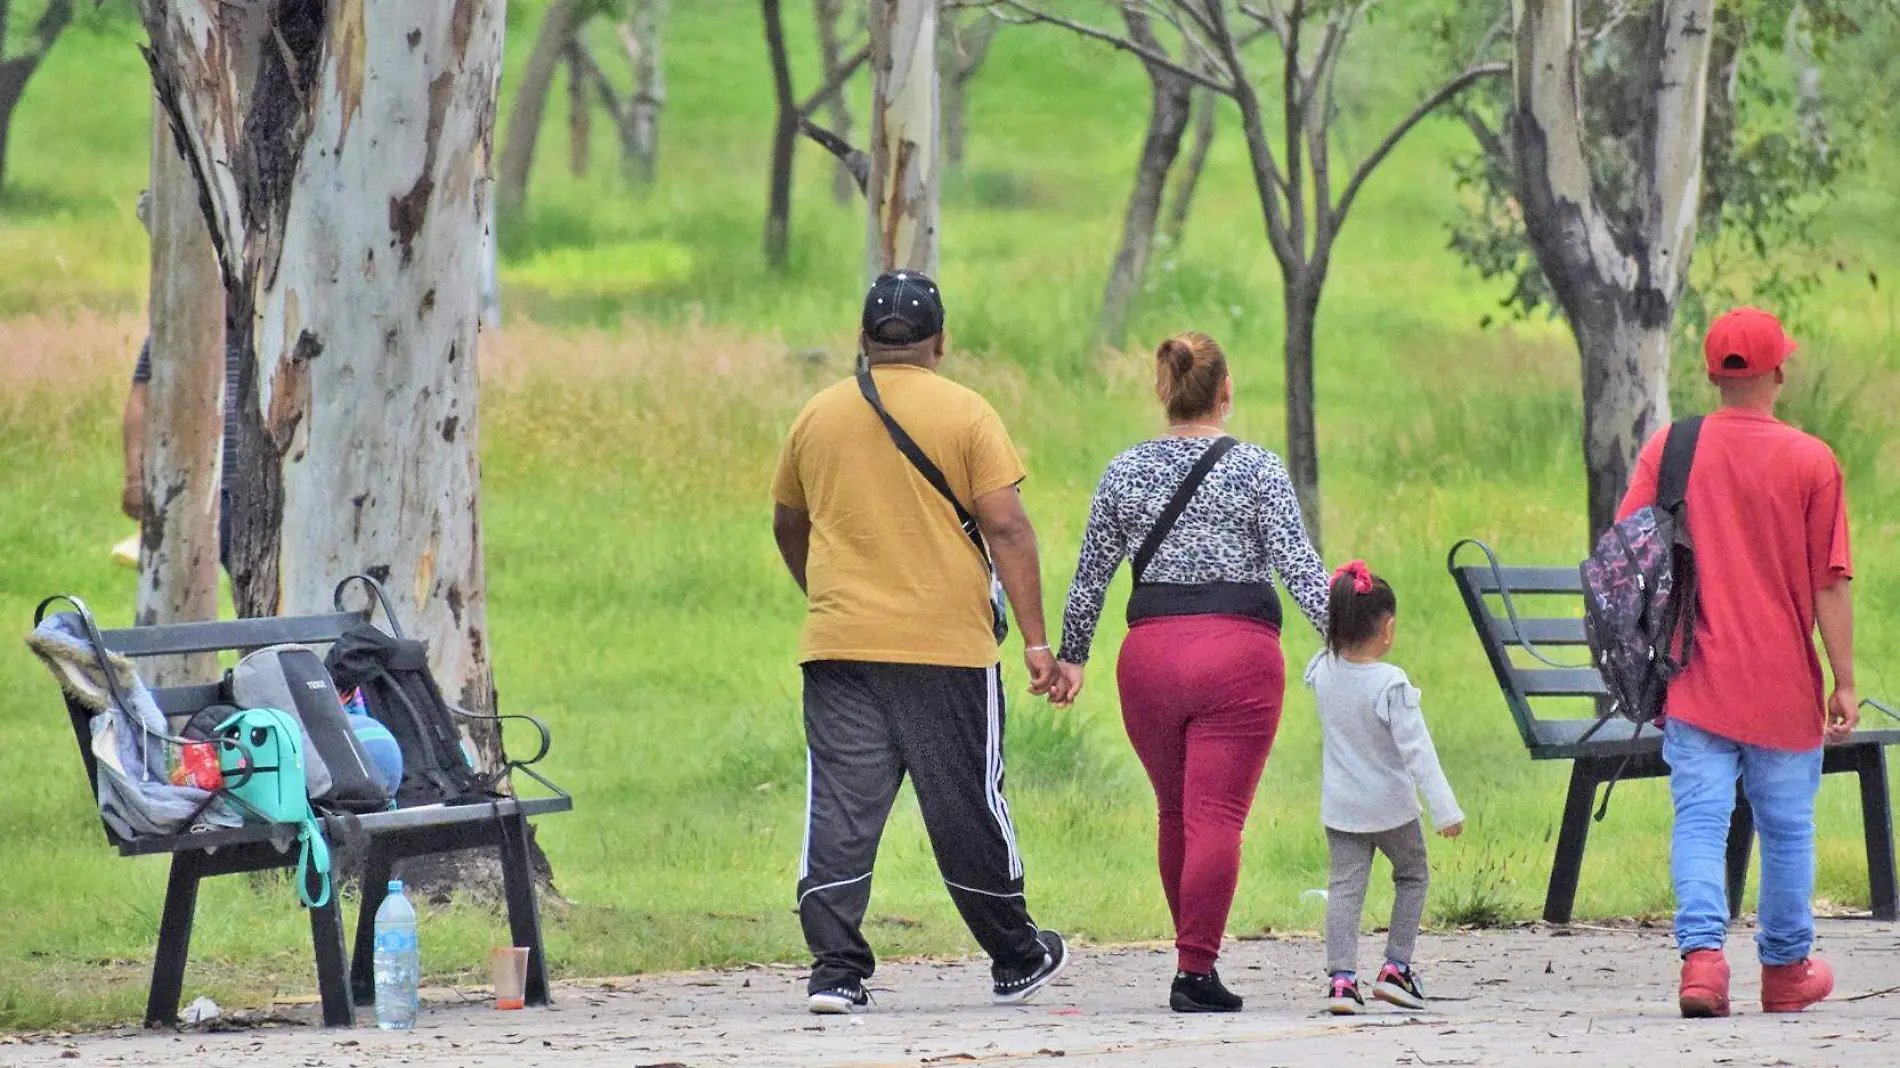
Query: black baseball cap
[903, 308]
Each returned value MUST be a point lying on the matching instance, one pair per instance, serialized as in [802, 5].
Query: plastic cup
[510, 965]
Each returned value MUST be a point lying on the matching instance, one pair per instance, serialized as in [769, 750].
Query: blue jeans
[1780, 787]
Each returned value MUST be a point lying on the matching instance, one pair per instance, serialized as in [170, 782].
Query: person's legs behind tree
[854, 770]
[1703, 770]
[1781, 786]
[948, 724]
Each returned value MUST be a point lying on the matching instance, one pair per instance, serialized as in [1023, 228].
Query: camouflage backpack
[1640, 591]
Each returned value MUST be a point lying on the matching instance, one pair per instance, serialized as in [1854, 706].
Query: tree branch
[583, 61]
[856, 161]
[1490, 142]
[1319, 115]
[835, 83]
[1452, 88]
[1272, 20]
[52, 23]
[1028, 16]
[1268, 184]
[1293, 107]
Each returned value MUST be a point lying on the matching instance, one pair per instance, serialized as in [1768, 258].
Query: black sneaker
[1195, 992]
[1013, 987]
[839, 1000]
[1397, 985]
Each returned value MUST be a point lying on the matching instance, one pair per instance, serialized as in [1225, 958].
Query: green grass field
[634, 403]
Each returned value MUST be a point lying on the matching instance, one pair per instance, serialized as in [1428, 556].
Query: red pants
[1201, 699]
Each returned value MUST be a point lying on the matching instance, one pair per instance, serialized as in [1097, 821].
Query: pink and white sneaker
[1342, 997]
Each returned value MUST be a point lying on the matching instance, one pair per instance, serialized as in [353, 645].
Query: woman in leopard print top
[1242, 526]
[1201, 674]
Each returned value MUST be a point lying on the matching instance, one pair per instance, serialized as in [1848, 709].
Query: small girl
[1378, 759]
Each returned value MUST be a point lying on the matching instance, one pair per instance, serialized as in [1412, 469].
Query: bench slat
[1558, 682]
[219, 635]
[1539, 631]
[373, 824]
[187, 700]
[1526, 580]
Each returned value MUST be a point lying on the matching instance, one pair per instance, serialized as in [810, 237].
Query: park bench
[384, 837]
[1617, 750]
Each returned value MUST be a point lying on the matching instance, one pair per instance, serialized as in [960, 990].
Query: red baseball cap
[1745, 343]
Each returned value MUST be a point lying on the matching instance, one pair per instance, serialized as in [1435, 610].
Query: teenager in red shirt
[1767, 514]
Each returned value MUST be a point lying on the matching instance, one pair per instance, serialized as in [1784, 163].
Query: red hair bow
[1360, 574]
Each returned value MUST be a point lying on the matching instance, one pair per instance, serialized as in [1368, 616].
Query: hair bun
[1179, 356]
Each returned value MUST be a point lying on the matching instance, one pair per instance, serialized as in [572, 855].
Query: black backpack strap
[915, 454]
[1672, 480]
[1183, 494]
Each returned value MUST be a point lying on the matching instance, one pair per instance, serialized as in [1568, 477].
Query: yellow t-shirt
[892, 577]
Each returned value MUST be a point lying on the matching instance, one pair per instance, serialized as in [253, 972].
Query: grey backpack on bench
[340, 773]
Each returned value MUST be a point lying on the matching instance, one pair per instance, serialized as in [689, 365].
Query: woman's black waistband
[1254, 600]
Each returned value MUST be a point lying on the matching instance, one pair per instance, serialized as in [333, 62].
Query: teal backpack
[261, 754]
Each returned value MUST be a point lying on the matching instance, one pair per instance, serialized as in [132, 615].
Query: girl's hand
[1452, 831]
[1068, 683]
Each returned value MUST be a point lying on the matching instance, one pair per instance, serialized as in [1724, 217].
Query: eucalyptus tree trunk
[641, 36]
[346, 203]
[1619, 291]
[184, 415]
[901, 229]
[1168, 109]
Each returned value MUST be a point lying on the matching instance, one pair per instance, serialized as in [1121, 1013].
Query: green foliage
[1781, 132]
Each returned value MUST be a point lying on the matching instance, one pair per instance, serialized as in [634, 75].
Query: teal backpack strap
[313, 854]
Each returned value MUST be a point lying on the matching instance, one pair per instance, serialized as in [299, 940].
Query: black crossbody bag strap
[931, 472]
[1183, 495]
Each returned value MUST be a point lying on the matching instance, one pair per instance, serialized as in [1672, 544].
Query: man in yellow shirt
[899, 556]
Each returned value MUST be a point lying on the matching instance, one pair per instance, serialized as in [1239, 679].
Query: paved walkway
[1586, 998]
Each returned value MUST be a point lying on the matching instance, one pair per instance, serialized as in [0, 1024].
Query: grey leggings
[1346, 895]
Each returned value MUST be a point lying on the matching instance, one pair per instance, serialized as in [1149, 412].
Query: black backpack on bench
[392, 675]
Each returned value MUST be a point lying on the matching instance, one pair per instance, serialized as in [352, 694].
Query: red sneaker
[1704, 991]
[1793, 987]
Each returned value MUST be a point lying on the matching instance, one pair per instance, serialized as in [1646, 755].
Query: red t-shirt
[1768, 517]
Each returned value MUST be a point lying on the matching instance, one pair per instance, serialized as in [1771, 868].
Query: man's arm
[791, 528]
[132, 434]
[1012, 542]
[1834, 611]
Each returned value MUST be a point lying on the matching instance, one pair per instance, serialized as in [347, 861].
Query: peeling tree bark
[1168, 111]
[1618, 281]
[346, 202]
[901, 229]
[184, 415]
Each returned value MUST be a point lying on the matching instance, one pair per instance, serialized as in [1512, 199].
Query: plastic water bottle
[398, 961]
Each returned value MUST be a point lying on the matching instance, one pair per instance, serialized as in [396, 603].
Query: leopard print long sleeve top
[1243, 525]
